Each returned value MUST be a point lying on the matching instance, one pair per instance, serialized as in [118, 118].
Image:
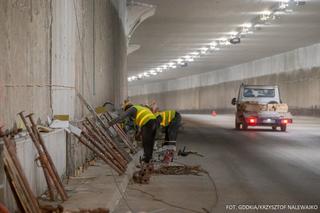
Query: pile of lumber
[107, 142]
[25, 199]
[94, 137]
[110, 143]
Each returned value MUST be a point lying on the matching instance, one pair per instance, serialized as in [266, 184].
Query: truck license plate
[269, 121]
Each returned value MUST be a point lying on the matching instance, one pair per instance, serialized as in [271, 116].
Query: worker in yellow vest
[146, 121]
[171, 121]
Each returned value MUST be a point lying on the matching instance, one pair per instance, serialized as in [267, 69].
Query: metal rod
[121, 134]
[112, 163]
[109, 154]
[105, 141]
[101, 142]
[99, 154]
[113, 144]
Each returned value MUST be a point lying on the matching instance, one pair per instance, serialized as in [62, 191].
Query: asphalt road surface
[258, 168]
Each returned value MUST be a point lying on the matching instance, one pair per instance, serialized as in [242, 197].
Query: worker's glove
[112, 122]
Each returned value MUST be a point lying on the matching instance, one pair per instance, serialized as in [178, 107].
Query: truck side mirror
[233, 101]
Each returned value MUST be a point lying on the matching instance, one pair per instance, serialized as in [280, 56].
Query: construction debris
[144, 174]
[44, 129]
[12, 132]
[98, 210]
[185, 153]
[51, 209]
[179, 170]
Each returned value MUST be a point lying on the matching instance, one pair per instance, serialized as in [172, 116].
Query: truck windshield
[255, 92]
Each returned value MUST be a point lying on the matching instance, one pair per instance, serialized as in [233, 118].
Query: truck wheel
[244, 126]
[283, 128]
[237, 125]
[274, 128]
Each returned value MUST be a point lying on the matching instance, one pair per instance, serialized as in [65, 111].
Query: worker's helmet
[126, 107]
[125, 104]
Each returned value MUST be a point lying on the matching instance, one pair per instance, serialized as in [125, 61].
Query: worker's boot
[168, 156]
[169, 145]
[169, 149]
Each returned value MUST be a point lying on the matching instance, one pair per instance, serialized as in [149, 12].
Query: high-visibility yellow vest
[166, 116]
[144, 115]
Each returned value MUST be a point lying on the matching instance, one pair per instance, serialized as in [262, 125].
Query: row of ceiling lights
[234, 37]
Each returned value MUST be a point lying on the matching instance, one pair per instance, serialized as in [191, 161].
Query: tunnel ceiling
[183, 26]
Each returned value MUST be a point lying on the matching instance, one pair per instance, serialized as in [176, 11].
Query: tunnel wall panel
[24, 58]
[51, 50]
[300, 89]
[296, 72]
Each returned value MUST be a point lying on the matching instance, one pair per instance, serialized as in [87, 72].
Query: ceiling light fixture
[224, 42]
[233, 37]
[180, 61]
[204, 50]
[195, 53]
[153, 73]
[235, 40]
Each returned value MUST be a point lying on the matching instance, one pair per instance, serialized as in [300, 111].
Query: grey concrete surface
[98, 187]
[298, 89]
[50, 50]
[300, 59]
[170, 193]
[296, 72]
[253, 167]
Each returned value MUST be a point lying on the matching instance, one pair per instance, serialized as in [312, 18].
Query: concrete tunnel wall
[50, 50]
[297, 72]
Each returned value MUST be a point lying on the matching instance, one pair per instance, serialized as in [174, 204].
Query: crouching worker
[171, 121]
[146, 121]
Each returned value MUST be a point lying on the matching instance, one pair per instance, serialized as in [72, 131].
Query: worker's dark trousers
[148, 132]
[173, 128]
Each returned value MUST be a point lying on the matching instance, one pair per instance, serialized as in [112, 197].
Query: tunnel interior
[112, 83]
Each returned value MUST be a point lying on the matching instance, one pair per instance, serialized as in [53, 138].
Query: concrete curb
[123, 182]
[99, 187]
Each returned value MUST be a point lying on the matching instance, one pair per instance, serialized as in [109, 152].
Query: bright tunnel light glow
[264, 17]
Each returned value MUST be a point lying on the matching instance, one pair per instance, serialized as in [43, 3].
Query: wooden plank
[1, 173]
[19, 184]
